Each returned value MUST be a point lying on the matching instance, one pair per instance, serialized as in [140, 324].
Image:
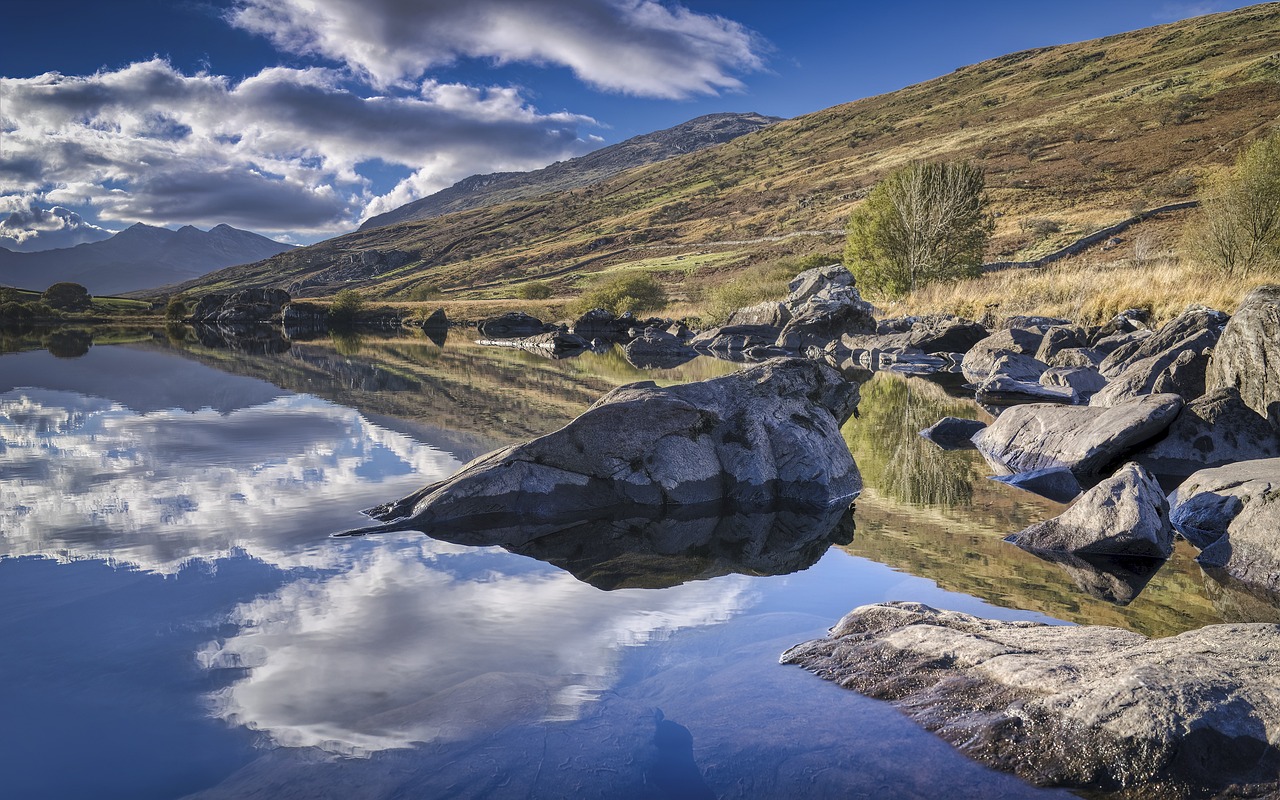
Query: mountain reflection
[422, 641]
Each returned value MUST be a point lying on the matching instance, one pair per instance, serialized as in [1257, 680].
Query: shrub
[67, 296]
[346, 304]
[758, 283]
[424, 292]
[176, 309]
[923, 223]
[1237, 229]
[537, 290]
[632, 292]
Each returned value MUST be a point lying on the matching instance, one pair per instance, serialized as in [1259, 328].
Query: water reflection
[421, 641]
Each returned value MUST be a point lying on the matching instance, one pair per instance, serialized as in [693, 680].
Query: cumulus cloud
[276, 152]
[27, 224]
[640, 47]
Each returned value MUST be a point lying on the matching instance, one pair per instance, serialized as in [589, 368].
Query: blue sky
[298, 118]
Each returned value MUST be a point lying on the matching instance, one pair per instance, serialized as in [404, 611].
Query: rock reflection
[420, 641]
[1114, 579]
[667, 549]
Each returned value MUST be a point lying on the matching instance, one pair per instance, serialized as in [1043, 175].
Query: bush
[345, 306]
[424, 292]
[67, 296]
[633, 292]
[1237, 230]
[758, 283]
[923, 223]
[176, 309]
[537, 290]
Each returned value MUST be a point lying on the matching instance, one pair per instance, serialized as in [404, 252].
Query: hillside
[1073, 137]
[481, 191]
[137, 257]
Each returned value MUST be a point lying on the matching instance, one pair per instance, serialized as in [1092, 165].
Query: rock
[953, 433]
[1002, 390]
[1179, 369]
[1084, 381]
[1086, 707]
[735, 338]
[1248, 355]
[1085, 439]
[1195, 329]
[1084, 357]
[437, 321]
[597, 323]
[1058, 338]
[1058, 484]
[980, 360]
[935, 333]
[552, 343]
[512, 325]
[770, 313]
[825, 317]
[1113, 579]
[657, 349]
[1233, 514]
[814, 281]
[1037, 322]
[1213, 431]
[245, 307]
[1127, 321]
[766, 435]
[1124, 515]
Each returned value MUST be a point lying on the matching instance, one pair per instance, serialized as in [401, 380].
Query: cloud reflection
[402, 648]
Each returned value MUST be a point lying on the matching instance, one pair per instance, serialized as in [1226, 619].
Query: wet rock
[1248, 354]
[1233, 514]
[1124, 515]
[1085, 439]
[953, 433]
[1084, 381]
[552, 343]
[735, 338]
[1212, 431]
[512, 325]
[766, 435]
[1087, 707]
[1058, 484]
[657, 349]
[771, 313]
[245, 307]
[826, 316]
[980, 360]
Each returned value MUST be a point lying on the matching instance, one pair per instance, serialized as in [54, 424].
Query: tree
[346, 304]
[67, 296]
[176, 309]
[634, 292]
[535, 290]
[1238, 228]
[923, 223]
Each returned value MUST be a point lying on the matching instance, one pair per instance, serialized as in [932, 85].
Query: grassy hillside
[1073, 138]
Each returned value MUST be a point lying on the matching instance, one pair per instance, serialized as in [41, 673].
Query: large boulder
[245, 307]
[1089, 707]
[1085, 439]
[953, 433]
[814, 281]
[657, 349]
[1248, 354]
[1196, 329]
[1124, 515]
[1212, 431]
[769, 312]
[734, 339]
[1084, 381]
[598, 323]
[1233, 514]
[764, 436]
[980, 360]
[934, 333]
[512, 325]
[1059, 338]
[826, 316]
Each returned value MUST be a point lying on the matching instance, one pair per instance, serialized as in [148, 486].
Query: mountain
[480, 191]
[138, 257]
[1072, 138]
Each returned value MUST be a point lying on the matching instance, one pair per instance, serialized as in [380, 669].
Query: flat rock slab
[1124, 515]
[1232, 514]
[1084, 439]
[1086, 707]
[765, 437]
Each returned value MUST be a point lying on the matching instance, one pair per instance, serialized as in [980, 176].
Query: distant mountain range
[138, 257]
[480, 191]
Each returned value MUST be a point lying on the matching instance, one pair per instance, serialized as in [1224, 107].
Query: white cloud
[29, 224]
[398, 648]
[640, 47]
[276, 152]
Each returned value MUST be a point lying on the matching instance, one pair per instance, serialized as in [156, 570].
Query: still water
[177, 622]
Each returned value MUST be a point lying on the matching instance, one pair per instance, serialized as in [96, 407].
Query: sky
[300, 118]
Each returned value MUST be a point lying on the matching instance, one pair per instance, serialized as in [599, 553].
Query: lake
[178, 622]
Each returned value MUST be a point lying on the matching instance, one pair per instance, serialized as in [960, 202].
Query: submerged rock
[766, 436]
[1087, 707]
[1084, 439]
[953, 433]
[1232, 514]
[1247, 357]
[657, 349]
[1124, 515]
